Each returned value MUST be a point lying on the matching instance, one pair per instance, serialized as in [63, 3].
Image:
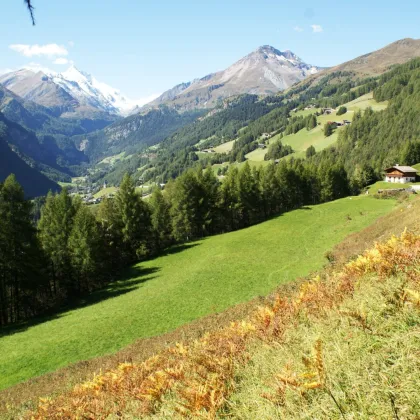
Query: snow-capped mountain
[264, 71]
[72, 92]
[86, 89]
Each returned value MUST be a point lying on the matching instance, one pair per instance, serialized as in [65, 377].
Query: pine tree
[209, 214]
[271, 193]
[311, 122]
[310, 151]
[342, 110]
[111, 236]
[249, 198]
[134, 218]
[230, 201]
[328, 129]
[55, 226]
[186, 200]
[160, 218]
[84, 247]
[335, 183]
[20, 259]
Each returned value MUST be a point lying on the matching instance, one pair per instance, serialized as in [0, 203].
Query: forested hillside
[44, 153]
[134, 133]
[244, 119]
[376, 140]
[392, 129]
[33, 182]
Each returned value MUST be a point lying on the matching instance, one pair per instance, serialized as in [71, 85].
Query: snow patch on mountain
[88, 90]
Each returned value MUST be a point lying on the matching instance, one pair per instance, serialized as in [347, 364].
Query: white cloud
[298, 29]
[36, 67]
[71, 43]
[317, 28]
[61, 61]
[146, 99]
[49, 50]
[4, 71]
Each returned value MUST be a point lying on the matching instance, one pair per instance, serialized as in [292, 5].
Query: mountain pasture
[315, 137]
[186, 283]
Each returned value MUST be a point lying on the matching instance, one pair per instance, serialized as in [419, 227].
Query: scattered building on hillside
[346, 122]
[265, 136]
[400, 174]
[261, 146]
[327, 111]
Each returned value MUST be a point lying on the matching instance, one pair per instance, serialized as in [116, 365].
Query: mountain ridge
[376, 62]
[266, 70]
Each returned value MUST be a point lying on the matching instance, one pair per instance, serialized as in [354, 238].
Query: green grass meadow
[105, 191]
[224, 147]
[187, 283]
[383, 185]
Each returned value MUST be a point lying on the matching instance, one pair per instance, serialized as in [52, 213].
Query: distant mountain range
[71, 94]
[264, 71]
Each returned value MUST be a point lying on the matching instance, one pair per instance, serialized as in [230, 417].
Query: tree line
[71, 251]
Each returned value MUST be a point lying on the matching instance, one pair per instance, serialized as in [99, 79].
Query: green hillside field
[187, 283]
[315, 137]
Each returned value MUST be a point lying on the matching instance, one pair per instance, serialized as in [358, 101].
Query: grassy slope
[225, 147]
[373, 189]
[304, 138]
[169, 291]
[110, 160]
[344, 345]
[105, 191]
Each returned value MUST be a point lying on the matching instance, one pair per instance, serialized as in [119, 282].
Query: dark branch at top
[31, 10]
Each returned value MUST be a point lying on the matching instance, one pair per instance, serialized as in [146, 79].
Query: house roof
[402, 168]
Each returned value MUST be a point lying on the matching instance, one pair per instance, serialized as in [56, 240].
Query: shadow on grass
[177, 248]
[131, 279]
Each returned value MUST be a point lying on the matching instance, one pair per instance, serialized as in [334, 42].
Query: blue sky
[145, 47]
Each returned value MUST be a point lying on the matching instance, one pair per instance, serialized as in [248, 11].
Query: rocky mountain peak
[265, 70]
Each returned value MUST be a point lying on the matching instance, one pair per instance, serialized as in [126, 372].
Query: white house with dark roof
[400, 174]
